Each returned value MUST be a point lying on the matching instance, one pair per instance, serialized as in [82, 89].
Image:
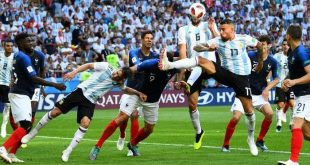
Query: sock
[184, 63]
[15, 138]
[12, 122]
[229, 131]
[33, 119]
[264, 129]
[108, 131]
[6, 113]
[195, 120]
[279, 116]
[122, 129]
[78, 136]
[44, 120]
[195, 74]
[286, 107]
[141, 136]
[250, 124]
[134, 128]
[148, 65]
[296, 144]
[15, 148]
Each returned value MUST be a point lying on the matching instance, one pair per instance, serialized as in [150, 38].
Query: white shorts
[258, 102]
[21, 107]
[150, 111]
[36, 95]
[302, 107]
[128, 103]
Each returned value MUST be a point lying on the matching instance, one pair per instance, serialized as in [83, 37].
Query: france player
[299, 81]
[84, 97]
[153, 85]
[21, 91]
[194, 33]
[282, 98]
[6, 64]
[234, 70]
[260, 93]
[136, 56]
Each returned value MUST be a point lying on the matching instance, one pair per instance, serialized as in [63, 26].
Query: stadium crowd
[74, 32]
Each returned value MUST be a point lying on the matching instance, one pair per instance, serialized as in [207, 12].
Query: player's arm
[212, 27]
[81, 68]
[132, 91]
[302, 80]
[182, 52]
[273, 83]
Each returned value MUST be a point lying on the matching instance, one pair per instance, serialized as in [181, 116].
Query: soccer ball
[197, 10]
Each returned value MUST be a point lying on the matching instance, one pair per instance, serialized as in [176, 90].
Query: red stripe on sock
[134, 128]
[141, 136]
[230, 129]
[296, 144]
[264, 129]
[122, 129]
[108, 131]
[15, 138]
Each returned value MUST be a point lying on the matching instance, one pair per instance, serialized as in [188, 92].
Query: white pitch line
[174, 145]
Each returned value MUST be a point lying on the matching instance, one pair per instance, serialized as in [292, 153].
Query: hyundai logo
[205, 98]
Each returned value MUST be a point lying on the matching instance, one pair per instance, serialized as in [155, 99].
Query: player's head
[33, 40]
[196, 13]
[285, 46]
[266, 43]
[24, 42]
[121, 74]
[147, 38]
[293, 33]
[8, 46]
[227, 29]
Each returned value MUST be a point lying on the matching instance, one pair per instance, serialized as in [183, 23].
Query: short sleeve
[250, 41]
[100, 66]
[27, 65]
[214, 41]
[304, 56]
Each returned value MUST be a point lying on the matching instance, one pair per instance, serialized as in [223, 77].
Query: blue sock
[148, 65]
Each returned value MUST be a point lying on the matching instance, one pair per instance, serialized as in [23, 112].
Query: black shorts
[240, 83]
[76, 98]
[4, 94]
[197, 86]
[282, 96]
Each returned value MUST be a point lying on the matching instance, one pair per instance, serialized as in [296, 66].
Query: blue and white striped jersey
[100, 82]
[6, 65]
[283, 66]
[233, 54]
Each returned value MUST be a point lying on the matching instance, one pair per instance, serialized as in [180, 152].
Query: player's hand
[265, 95]
[177, 85]
[44, 93]
[69, 75]
[211, 23]
[287, 83]
[200, 48]
[60, 86]
[142, 96]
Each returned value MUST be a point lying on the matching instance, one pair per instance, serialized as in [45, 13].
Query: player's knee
[27, 125]
[134, 115]
[306, 135]
[149, 128]
[55, 112]
[192, 106]
[236, 118]
[85, 122]
[281, 104]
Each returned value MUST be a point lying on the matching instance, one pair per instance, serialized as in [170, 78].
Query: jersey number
[300, 107]
[5, 66]
[197, 37]
[234, 52]
[285, 66]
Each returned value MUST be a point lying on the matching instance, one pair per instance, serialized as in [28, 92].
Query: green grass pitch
[171, 142]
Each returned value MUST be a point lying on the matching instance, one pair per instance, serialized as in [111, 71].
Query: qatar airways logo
[205, 98]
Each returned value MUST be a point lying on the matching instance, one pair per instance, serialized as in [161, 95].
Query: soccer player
[299, 81]
[84, 97]
[260, 93]
[282, 98]
[234, 70]
[153, 85]
[136, 56]
[195, 32]
[20, 93]
[6, 63]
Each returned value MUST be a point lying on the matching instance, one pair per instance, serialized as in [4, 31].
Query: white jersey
[233, 54]
[283, 66]
[100, 82]
[194, 35]
[6, 64]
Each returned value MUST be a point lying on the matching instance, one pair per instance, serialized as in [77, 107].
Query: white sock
[6, 113]
[291, 116]
[279, 116]
[184, 63]
[250, 124]
[78, 136]
[195, 120]
[44, 120]
[195, 74]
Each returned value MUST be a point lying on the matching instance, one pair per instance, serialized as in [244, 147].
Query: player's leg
[280, 101]
[150, 112]
[263, 106]
[84, 116]
[34, 103]
[291, 104]
[237, 111]
[4, 91]
[301, 113]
